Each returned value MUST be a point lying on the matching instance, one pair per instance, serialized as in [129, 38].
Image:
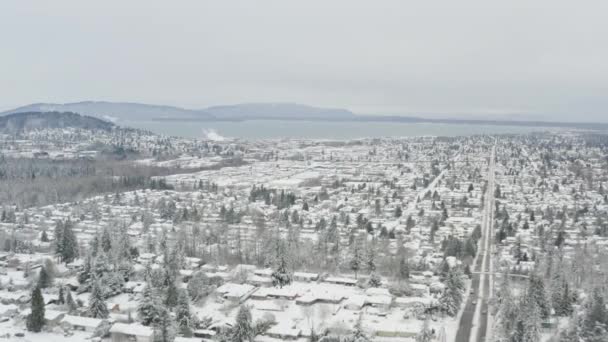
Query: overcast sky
[537, 59]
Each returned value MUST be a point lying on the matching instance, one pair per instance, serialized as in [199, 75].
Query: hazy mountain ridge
[277, 110]
[113, 110]
[19, 122]
[127, 111]
[116, 111]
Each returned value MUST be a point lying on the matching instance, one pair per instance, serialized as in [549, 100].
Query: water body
[275, 129]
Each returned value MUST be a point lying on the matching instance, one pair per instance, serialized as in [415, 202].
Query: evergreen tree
[61, 299]
[398, 211]
[106, 241]
[164, 330]
[243, 330]
[97, 304]
[69, 301]
[536, 291]
[595, 317]
[357, 259]
[69, 248]
[149, 308]
[450, 300]
[374, 280]
[183, 315]
[44, 237]
[35, 320]
[404, 268]
[44, 279]
[58, 236]
[172, 295]
[281, 275]
[508, 309]
[370, 261]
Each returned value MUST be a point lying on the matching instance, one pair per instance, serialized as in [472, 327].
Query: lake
[275, 129]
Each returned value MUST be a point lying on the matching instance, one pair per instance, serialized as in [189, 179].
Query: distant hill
[114, 111]
[19, 122]
[126, 111]
[118, 111]
[284, 111]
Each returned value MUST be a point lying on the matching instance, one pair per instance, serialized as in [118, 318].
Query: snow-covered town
[386, 239]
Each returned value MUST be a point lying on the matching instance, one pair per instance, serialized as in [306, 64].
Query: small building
[81, 323]
[341, 281]
[123, 332]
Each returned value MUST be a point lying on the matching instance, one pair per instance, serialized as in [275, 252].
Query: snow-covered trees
[452, 296]
[44, 278]
[536, 290]
[426, 334]
[281, 275]
[97, 305]
[183, 316]
[404, 268]
[595, 319]
[374, 280]
[356, 261]
[527, 322]
[35, 320]
[164, 330]
[66, 244]
[243, 330]
[150, 306]
[69, 249]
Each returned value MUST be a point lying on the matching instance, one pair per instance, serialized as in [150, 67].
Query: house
[306, 277]
[341, 281]
[236, 292]
[123, 332]
[81, 323]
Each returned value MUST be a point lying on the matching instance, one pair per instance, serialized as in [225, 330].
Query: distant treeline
[35, 182]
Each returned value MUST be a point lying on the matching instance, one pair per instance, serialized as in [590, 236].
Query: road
[474, 320]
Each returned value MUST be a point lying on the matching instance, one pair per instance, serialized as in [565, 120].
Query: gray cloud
[543, 59]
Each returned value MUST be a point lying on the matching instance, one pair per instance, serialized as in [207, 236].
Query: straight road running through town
[473, 322]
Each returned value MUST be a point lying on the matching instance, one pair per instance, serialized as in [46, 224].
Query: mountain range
[126, 111]
[117, 112]
[18, 122]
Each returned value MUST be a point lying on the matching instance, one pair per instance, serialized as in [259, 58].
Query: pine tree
[374, 280]
[508, 309]
[370, 261]
[69, 248]
[44, 279]
[149, 308]
[281, 275]
[536, 291]
[164, 330]
[183, 315]
[106, 241]
[61, 299]
[35, 320]
[58, 236]
[357, 259]
[452, 296]
[85, 273]
[243, 330]
[44, 237]
[172, 295]
[596, 316]
[69, 301]
[404, 268]
[97, 304]
[398, 211]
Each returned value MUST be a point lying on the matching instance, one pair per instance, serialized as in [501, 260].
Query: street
[474, 320]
